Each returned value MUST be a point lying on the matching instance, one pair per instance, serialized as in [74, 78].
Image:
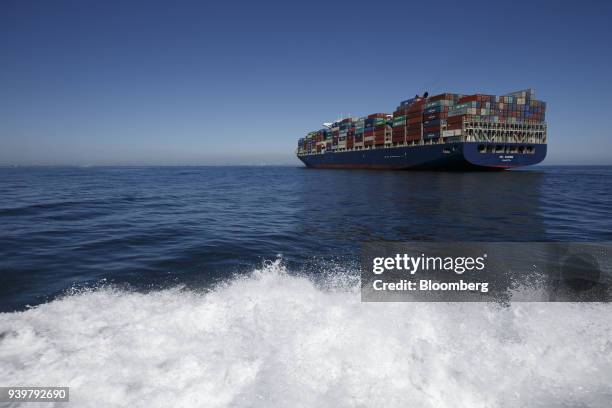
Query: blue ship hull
[447, 156]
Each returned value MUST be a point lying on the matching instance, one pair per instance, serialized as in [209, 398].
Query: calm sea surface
[157, 226]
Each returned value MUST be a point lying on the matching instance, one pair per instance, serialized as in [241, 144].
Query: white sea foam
[272, 339]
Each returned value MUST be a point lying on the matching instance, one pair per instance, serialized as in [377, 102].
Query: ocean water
[238, 286]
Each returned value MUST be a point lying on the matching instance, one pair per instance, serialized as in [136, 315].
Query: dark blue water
[153, 227]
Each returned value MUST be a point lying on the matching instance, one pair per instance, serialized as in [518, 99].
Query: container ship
[446, 131]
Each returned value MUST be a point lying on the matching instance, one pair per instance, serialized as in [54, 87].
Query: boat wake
[276, 339]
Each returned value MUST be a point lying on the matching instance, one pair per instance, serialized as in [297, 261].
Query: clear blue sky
[176, 82]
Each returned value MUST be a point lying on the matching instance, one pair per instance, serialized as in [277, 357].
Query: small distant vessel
[445, 131]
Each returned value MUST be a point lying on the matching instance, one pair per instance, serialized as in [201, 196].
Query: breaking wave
[276, 339]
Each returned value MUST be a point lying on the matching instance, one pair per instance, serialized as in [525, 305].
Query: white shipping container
[448, 133]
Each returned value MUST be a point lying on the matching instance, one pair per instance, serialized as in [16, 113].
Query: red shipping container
[368, 142]
[468, 98]
[456, 119]
[444, 96]
[318, 148]
[414, 121]
[379, 140]
[476, 98]
[412, 130]
[398, 134]
[368, 133]
[414, 115]
[412, 137]
[379, 132]
[415, 109]
[377, 115]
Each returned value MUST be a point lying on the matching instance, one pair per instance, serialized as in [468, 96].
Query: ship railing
[487, 132]
[496, 132]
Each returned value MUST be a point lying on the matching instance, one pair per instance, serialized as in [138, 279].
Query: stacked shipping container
[423, 120]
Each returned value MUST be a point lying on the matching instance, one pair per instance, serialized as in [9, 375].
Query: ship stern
[503, 155]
